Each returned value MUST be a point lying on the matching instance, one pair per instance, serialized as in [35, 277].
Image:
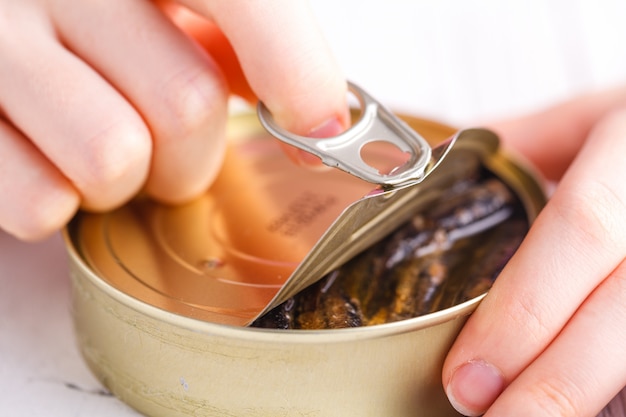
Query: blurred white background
[460, 62]
[466, 61]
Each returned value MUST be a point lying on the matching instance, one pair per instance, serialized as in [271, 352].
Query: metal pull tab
[344, 151]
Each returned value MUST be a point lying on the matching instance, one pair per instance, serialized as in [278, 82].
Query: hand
[100, 99]
[548, 340]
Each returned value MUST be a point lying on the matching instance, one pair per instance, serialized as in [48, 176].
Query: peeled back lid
[223, 257]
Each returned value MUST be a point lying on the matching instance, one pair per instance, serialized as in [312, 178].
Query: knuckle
[597, 212]
[558, 397]
[189, 137]
[530, 319]
[192, 100]
[116, 151]
[117, 158]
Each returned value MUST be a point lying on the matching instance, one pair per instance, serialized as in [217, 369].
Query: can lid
[223, 257]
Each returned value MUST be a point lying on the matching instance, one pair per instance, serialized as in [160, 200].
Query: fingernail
[474, 386]
[327, 129]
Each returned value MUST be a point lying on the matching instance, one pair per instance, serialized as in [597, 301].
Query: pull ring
[376, 124]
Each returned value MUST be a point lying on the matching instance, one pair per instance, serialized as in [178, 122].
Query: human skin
[100, 100]
[548, 339]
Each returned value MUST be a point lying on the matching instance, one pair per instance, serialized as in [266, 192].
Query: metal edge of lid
[526, 182]
[521, 178]
[81, 267]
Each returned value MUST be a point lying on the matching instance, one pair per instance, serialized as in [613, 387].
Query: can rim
[261, 334]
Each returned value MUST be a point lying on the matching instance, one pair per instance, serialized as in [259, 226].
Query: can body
[164, 365]
[165, 360]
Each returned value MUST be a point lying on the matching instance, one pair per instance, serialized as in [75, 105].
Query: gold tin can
[160, 296]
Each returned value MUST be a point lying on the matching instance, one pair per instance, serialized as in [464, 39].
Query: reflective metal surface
[375, 124]
[224, 257]
[151, 285]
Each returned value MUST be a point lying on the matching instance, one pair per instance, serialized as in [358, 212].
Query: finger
[72, 115]
[576, 241]
[563, 127]
[286, 61]
[584, 368]
[37, 199]
[176, 87]
[215, 42]
[212, 39]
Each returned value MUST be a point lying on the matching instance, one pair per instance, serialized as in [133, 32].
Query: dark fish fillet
[444, 255]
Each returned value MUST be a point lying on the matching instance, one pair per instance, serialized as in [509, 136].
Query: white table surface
[457, 61]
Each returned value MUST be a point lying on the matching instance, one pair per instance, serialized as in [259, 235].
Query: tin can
[160, 296]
